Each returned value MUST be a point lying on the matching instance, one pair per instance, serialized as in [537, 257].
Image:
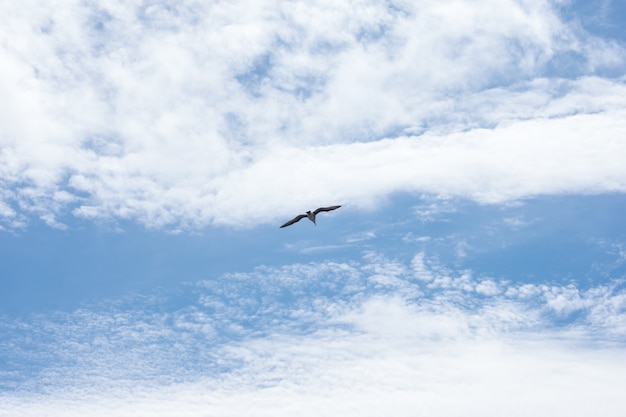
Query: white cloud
[203, 113]
[488, 287]
[329, 338]
[518, 222]
[360, 237]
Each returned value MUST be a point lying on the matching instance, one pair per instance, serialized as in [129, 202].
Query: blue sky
[150, 150]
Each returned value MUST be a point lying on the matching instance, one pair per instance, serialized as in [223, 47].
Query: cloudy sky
[150, 150]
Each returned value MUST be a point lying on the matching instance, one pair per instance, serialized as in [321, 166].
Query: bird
[310, 215]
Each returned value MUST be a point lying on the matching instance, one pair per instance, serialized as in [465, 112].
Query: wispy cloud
[189, 115]
[325, 337]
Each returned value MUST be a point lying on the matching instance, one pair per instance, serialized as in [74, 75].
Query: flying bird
[310, 215]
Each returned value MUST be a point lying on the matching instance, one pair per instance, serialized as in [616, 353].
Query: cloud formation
[193, 114]
[333, 338]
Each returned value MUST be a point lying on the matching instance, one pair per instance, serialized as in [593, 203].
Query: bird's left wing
[292, 221]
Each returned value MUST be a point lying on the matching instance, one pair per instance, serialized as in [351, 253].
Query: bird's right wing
[294, 220]
[326, 209]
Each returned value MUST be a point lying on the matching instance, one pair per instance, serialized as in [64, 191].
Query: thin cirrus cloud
[333, 338]
[189, 115]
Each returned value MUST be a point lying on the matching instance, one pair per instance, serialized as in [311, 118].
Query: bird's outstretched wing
[325, 209]
[294, 220]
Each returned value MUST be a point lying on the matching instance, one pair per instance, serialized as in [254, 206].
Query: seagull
[310, 214]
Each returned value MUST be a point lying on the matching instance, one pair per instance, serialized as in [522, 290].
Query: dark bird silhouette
[310, 215]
